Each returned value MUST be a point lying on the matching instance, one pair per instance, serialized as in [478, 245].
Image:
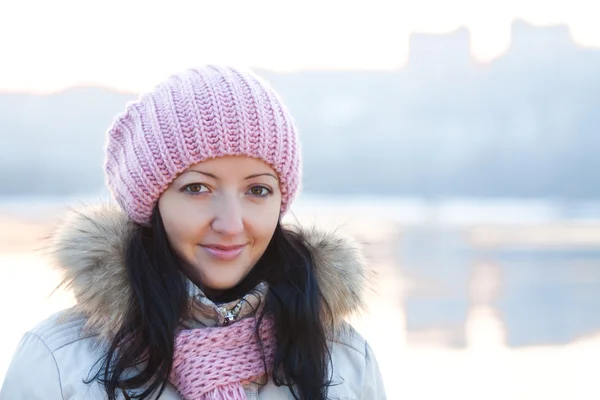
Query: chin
[220, 282]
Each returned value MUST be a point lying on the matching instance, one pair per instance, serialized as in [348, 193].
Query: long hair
[138, 360]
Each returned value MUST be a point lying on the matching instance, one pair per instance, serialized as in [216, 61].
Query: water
[494, 299]
[543, 295]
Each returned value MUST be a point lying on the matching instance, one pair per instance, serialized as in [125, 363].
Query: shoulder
[355, 371]
[62, 329]
[349, 352]
[355, 366]
[59, 354]
[63, 338]
[349, 337]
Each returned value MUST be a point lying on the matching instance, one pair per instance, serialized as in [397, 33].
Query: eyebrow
[262, 174]
[246, 178]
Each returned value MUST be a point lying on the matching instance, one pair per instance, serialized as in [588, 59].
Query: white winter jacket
[54, 359]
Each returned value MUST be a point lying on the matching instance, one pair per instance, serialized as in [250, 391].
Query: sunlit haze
[129, 45]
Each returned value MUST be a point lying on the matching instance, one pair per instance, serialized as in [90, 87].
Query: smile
[224, 253]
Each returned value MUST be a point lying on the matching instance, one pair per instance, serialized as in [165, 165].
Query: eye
[195, 188]
[260, 191]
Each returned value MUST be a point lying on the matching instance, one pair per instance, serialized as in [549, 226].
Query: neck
[220, 296]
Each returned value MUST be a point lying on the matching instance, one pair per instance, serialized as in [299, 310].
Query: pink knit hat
[201, 113]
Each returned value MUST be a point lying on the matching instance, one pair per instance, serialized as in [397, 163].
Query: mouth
[223, 253]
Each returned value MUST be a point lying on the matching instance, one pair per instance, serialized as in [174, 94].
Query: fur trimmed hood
[89, 248]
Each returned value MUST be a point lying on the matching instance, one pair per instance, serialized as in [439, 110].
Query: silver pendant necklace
[232, 314]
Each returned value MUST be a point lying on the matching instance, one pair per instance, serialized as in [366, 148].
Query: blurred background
[457, 140]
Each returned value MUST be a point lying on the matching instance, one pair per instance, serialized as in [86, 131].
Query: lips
[224, 253]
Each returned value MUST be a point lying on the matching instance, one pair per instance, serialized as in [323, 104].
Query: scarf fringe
[233, 391]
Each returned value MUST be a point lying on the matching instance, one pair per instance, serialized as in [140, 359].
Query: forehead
[232, 166]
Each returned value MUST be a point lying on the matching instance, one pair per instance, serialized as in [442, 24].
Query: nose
[228, 218]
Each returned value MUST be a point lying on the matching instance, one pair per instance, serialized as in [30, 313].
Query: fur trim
[341, 271]
[89, 247]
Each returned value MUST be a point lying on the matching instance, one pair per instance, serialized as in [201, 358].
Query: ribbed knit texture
[212, 363]
[201, 113]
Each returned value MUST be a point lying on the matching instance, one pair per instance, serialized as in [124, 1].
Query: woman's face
[220, 216]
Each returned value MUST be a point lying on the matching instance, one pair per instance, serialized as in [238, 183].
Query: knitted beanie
[199, 114]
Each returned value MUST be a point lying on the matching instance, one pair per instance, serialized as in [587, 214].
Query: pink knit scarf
[212, 363]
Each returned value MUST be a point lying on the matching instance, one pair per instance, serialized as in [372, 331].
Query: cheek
[264, 222]
[182, 226]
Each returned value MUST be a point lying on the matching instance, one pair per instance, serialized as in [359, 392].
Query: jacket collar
[89, 248]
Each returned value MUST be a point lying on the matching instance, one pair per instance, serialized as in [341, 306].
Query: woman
[192, 288]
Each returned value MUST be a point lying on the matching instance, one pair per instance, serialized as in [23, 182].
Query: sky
[130, 45]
